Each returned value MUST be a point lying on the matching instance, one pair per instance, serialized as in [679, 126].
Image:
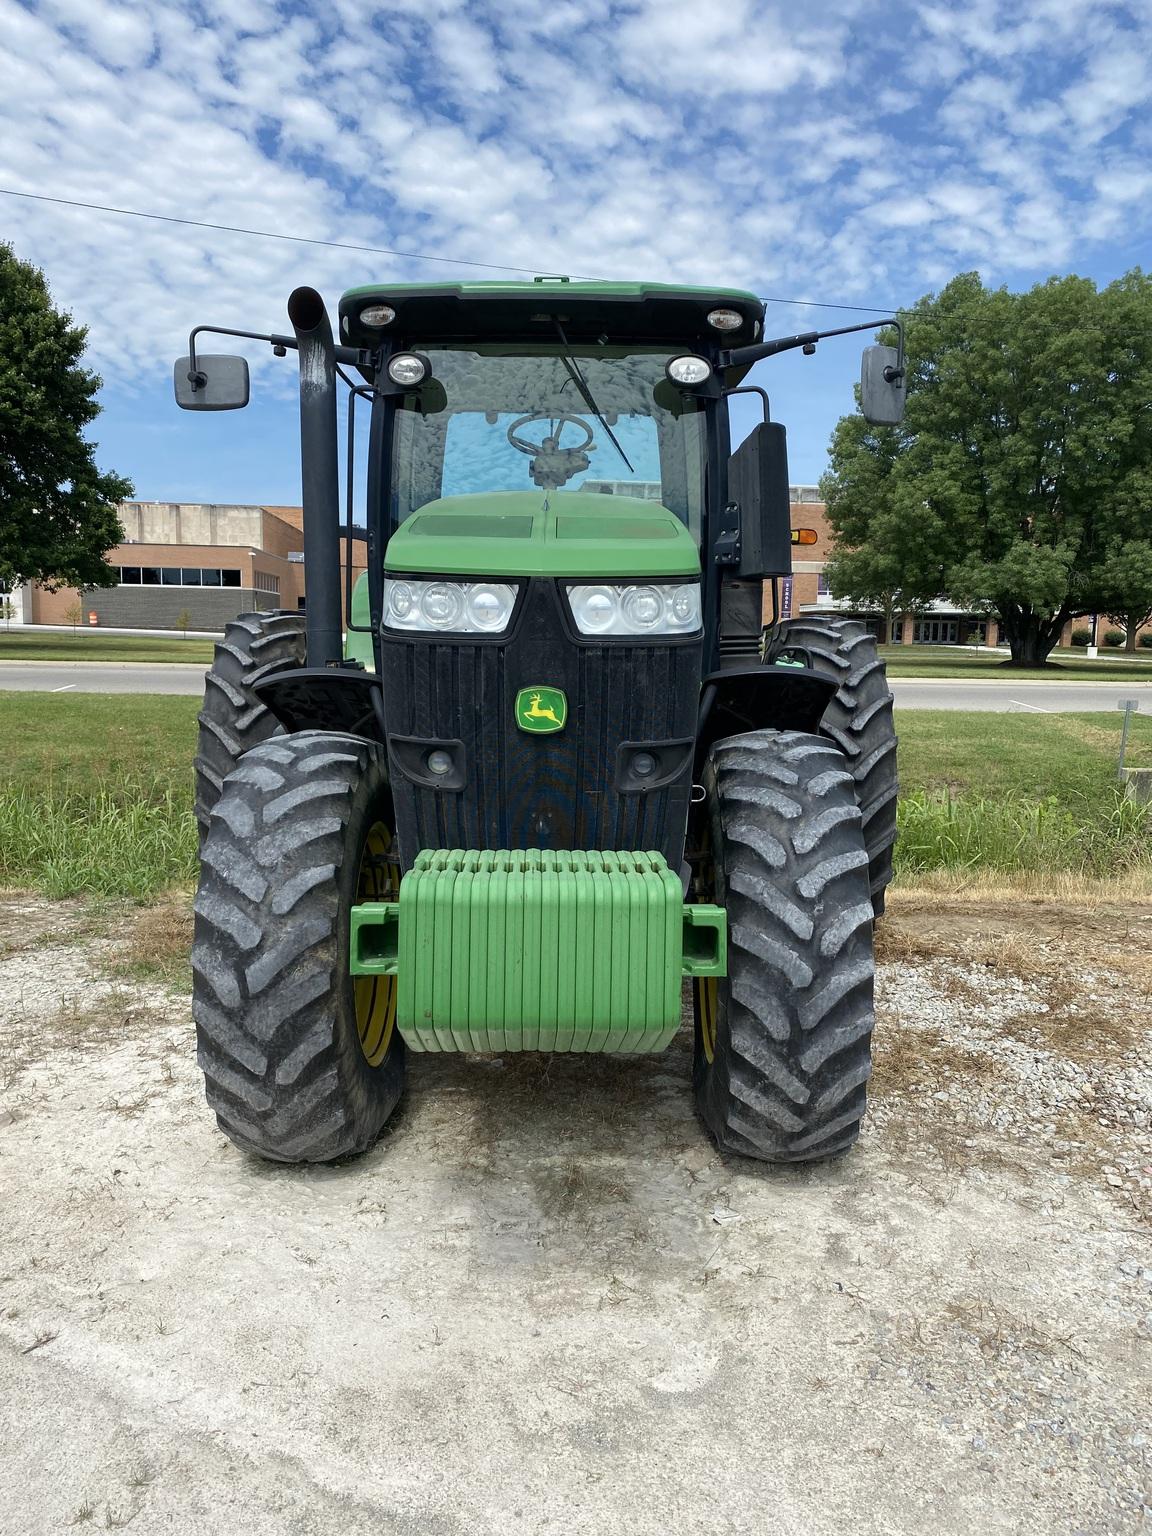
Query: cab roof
[640, 312]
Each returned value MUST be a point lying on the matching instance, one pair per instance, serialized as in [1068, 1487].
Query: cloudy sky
[844, 152]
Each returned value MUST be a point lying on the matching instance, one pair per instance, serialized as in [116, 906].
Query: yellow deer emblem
[535, 712]
[541, 710]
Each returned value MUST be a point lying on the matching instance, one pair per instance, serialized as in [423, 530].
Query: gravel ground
[543, 1303]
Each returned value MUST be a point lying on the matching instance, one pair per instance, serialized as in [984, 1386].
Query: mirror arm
[894, 375]
[356, 356]
[741, 357]
[753, 389]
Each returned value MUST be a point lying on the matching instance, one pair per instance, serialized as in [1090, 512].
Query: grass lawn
[97, 742]
[21, 645]
[928, 661]
[96, 793]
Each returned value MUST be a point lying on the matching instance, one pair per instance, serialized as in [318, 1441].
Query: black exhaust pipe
[319, 473]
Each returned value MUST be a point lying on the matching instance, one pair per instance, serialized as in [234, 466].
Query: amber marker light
[804, 536]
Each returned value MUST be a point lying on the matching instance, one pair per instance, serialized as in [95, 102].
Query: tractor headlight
[457, 607]
[664, 609]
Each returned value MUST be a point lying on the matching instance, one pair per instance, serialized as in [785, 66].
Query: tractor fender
[758, 698]
[325, 699]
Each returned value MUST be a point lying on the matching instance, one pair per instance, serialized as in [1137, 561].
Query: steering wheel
[552, 442]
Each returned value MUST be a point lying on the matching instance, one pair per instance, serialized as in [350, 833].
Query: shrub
[1145, 640]
[1081, 637]
[1114, 638]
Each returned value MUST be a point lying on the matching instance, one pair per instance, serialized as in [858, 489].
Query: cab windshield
[552, 422]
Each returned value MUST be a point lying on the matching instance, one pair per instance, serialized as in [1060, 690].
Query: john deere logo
[541, 710]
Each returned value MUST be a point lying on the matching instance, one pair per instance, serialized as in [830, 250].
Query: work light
[450, 607]
[657, 609]
[722, 319]
[408, 368]
[689, 370]
[378, 315]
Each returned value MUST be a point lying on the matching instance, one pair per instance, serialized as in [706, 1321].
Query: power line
[371, 250]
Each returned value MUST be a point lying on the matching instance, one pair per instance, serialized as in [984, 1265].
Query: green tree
[184, 621]
[1020, 480]
[57, 510]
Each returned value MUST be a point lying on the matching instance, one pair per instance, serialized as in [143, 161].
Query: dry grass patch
[157, 942]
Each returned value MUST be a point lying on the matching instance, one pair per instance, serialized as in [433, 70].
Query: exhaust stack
[319, 466]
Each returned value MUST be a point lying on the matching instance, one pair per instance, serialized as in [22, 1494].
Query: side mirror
[883, 387]
[758, 485]
[218, 383]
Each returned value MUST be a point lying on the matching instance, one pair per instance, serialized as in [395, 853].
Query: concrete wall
[160, 607]
[184, 522]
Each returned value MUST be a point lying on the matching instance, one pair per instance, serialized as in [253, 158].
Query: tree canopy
[1020, 481]
[57, 510]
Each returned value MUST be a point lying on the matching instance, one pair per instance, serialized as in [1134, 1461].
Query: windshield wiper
[581, 383]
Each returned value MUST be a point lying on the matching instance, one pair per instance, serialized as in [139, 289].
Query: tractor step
[538, 950]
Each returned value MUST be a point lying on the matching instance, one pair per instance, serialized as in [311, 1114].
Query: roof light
[377, 315]
[408, 369]
[804, 536]
[689, 370]
[725, 319]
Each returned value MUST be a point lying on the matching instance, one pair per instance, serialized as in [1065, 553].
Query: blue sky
[847, 151]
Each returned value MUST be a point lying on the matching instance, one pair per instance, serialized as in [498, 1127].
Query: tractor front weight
[538, 950]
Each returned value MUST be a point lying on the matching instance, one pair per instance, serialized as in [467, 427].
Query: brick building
[204, 560]
[807, 591]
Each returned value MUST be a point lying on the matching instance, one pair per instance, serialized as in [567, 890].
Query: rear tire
[859, 720]
[783, 1043]
[302, 1062]
[233, 719]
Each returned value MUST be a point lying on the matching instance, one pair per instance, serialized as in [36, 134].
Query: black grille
[529, 791]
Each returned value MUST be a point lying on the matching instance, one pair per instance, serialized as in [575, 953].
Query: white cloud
[844, 151]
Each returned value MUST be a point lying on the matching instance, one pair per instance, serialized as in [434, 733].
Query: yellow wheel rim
[376, 995]
[706, 995]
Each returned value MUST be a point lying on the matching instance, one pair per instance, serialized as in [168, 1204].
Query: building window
[265, 581]
[935, 632]
[184, 576]
[822, 587]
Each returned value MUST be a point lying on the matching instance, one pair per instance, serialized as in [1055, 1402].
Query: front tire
[783, 1043]
[301, 1061]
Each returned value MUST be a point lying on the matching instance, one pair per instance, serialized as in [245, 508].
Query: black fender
[325, 699]
[759, 698]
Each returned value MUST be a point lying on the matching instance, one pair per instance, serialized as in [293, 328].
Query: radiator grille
[531, 791]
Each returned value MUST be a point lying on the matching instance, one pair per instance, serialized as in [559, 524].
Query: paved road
[911, 693]
[1020, 698]
[102, 677]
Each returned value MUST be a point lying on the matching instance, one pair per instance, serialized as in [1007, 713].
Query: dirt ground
[543, 1303]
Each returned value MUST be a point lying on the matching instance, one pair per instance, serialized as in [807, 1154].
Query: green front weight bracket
[538, 950]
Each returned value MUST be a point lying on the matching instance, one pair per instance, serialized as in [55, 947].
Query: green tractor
[544, 760]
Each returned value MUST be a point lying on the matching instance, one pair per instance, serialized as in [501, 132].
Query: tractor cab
[544, 759]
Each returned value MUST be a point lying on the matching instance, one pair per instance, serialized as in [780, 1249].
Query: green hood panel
[525, 533]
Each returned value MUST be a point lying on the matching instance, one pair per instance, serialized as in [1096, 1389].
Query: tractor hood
[528, 533]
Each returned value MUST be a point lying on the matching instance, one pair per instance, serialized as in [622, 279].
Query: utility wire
[374, 250]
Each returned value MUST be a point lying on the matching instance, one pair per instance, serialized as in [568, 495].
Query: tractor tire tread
[859, 720]
[267, 956]
[233, 720]
[787, 1083]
